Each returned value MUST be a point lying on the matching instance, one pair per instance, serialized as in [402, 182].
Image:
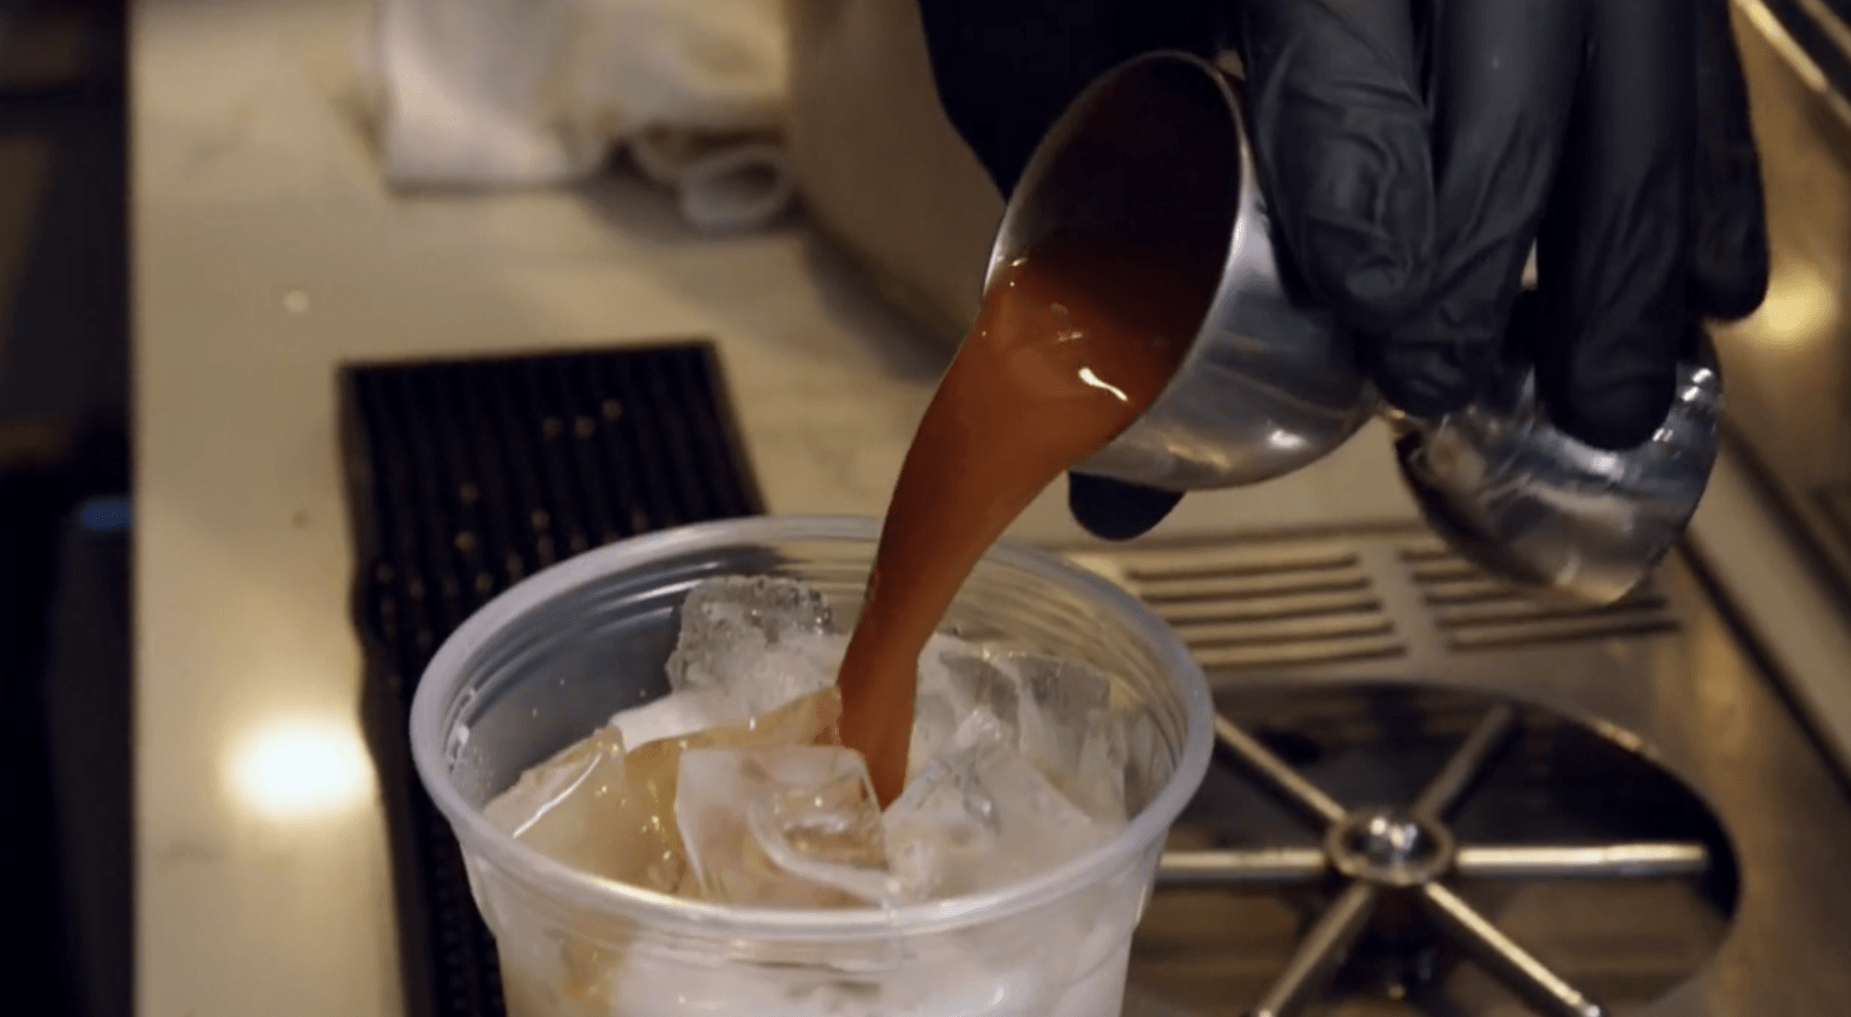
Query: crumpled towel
[497, 93]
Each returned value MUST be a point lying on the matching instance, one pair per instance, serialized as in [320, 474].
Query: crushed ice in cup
[734, 788]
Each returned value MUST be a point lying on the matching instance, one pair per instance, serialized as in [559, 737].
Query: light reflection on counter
[1801, 306]
[296, 768]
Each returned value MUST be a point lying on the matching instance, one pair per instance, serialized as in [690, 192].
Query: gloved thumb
[1114, 510]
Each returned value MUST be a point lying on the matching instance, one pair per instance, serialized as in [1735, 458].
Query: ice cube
[760, 640]
[581, 808]
[1148, 762]
[963, 675]
[1057, 714]
[1069, 729]
[942, 821]
[655, 768]
[676, 715]
[792, 826]
[982, 818]
[962, 702]
[935, 724]
[611, 813]
[1096, 780]
[1063, 693]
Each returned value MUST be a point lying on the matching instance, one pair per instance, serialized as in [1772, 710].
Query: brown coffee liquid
[1072, 343]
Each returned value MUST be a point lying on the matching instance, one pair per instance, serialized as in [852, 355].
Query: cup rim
[436, 688]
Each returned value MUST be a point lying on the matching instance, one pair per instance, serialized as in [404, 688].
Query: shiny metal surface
[1154, 150]
[1385, 851]
[1773, 530]
[1522, 499]
[1715, 889]
[1280, 866]
[1322, 951]
[1531, 978]
[1790, 363]
[1465, 766]
[1287, 782]
[1623, 861]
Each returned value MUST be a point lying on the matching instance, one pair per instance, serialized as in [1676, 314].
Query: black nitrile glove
[1412, 151]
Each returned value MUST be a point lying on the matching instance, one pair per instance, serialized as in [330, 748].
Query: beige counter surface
[266, 253]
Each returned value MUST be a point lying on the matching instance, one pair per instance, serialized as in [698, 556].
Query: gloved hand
[1412, 151]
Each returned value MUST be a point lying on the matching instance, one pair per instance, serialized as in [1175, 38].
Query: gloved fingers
[1502, 85]
[1613, 251]
[1729, 256]
[1006, 69]
[1340, 134]
[1114, 510]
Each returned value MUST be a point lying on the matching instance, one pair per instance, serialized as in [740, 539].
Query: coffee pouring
[1156, 150]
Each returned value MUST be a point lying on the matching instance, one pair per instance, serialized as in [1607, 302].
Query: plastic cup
[550, 660]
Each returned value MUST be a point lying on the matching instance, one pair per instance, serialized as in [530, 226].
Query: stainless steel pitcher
[1156, 150]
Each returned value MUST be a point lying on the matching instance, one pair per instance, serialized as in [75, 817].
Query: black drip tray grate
[465, 477]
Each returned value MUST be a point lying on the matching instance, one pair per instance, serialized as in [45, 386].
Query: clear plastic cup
[550, 660]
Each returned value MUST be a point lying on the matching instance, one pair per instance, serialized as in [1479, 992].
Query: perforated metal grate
[1475, 612]
[1244, 604]
[463, 478]
[1319, 599]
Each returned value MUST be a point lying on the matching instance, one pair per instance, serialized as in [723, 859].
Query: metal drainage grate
[1472, 611]
[1377, 852]
[464, 477]
[1252, 605]
[1305, 600]
[1414, 800]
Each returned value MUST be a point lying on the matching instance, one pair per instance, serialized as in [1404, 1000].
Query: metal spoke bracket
[1376, 852]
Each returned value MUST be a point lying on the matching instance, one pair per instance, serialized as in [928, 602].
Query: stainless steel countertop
[1775, 524]
[1788, 367]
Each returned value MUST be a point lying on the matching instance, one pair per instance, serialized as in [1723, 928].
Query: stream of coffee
[1073, 342]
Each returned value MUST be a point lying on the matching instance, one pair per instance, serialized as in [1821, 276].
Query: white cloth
[540, 92]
